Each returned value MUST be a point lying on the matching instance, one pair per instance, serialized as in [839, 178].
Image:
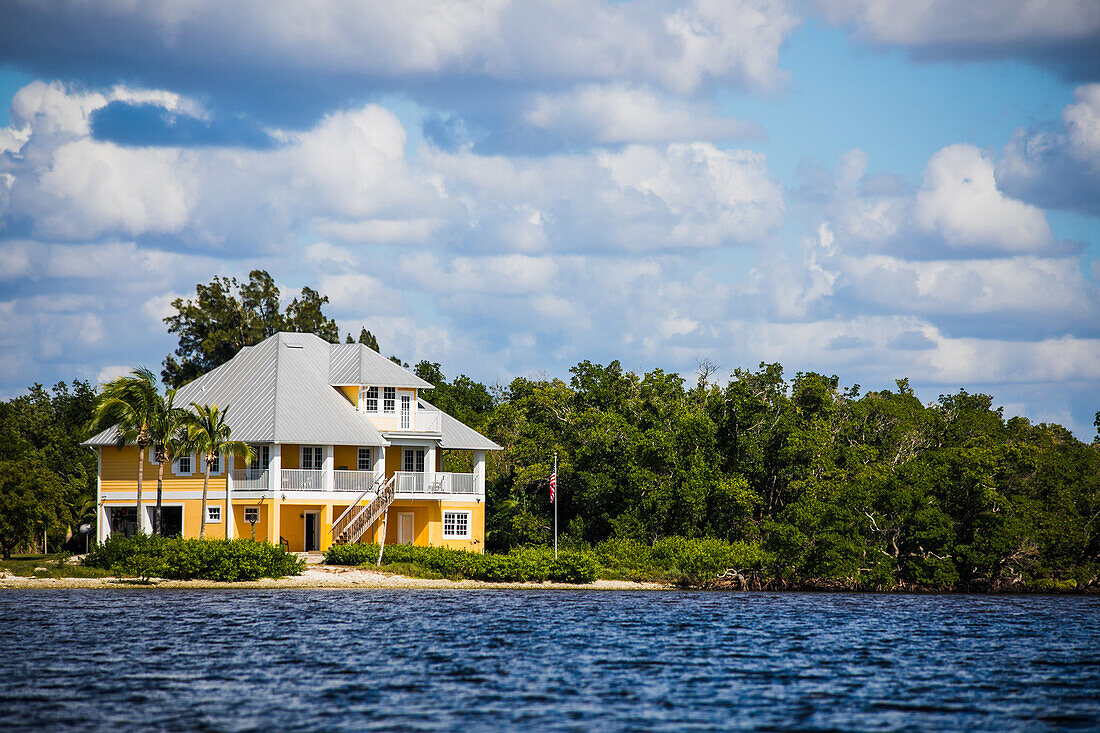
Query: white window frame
[217, 471]
[406, 411]
[359, 459]
[302, 457]
[370, 399]
[211, 510]
[389, 400]
[191, 465]
[452, 536]
[250, 510]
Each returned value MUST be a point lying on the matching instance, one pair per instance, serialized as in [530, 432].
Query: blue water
[544, 660]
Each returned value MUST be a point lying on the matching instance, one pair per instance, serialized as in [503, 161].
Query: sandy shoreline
[318, 576]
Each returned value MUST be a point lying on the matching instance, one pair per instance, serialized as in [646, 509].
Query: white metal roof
[282, 391]
[457, 434]
[359, 364]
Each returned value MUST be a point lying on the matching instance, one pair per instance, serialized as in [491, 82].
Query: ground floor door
[405, 528]
[313, 531]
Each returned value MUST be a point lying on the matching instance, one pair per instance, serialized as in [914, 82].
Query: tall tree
[130, 405]
[169, 433]
[209, 434]
[226, 315]
[304, 315]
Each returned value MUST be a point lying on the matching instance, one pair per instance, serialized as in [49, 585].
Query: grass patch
[26, 566]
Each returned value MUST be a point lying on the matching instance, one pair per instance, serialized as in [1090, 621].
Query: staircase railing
[349, 527]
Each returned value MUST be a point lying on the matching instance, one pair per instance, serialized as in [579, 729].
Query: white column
[379, 452]
[328, 481]
[479, 471]
[101, 513]
[429, 464]
[274, 475]
[229, 496]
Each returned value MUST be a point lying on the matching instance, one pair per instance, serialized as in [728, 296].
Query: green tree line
[870, 488]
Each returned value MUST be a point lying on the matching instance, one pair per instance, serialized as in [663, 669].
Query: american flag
[553, 484]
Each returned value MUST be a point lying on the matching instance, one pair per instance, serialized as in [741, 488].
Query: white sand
[320, 576]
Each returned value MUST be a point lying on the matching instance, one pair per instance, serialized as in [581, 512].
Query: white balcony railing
[246, 479]
[352, 480]
[302, 479]
[409, 482]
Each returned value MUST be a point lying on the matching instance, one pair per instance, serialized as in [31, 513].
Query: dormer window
[370, 401]
[389, 399]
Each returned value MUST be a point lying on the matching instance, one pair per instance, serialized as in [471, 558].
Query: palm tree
[169, 432]
[130, 404]
[208, 434]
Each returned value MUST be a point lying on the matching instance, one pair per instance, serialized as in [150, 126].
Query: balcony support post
[328, 478]
[274, 472]
[479, 472]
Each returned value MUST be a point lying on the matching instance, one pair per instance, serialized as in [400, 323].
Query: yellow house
[344, 444]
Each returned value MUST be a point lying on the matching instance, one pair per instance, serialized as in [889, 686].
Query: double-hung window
[389, 399]
[364, 463]
[216, 466]
[370, 401]
[456, 525]
[251, 514]
[312, 457]
[183, 466]
[213, 513]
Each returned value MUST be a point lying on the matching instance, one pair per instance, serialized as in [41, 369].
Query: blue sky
[875, 190]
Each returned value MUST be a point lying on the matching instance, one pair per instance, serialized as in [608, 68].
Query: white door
[406, 412]
[405, 528]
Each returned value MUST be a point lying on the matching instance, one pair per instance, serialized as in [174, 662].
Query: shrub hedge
[678, 559]
[519, 565]
[147, 556]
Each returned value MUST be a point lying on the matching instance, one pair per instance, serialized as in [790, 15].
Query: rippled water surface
[544, 660]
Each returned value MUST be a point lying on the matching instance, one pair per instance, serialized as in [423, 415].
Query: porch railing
[409, 482]
[246, 479]
[302, 479]
[352, 480]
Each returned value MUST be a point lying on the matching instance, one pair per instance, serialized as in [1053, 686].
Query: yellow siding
[352, 393]
[393, 459]
[345, 457]
[243, 528]
[118, 472]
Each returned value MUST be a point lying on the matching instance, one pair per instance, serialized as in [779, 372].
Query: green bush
[678, 558]
[519, 565]
[175, 558]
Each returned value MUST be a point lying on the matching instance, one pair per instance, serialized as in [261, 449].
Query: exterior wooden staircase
[354, 524]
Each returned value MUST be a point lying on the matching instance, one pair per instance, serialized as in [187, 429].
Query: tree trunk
[157, 529]
[382, 542]
[141, 472]
[205, 486]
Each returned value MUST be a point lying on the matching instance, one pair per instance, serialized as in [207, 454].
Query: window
[213, 514]
[389, 399]
[364, 463]
[122, 520]
[216, 466]
[251, 514]
[183, 465]
[413, 460]
[406, 412]
[311, 457]
[456, 525]
[370, 402]
[261, 460]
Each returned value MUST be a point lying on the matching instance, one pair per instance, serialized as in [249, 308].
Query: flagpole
[555, 508]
